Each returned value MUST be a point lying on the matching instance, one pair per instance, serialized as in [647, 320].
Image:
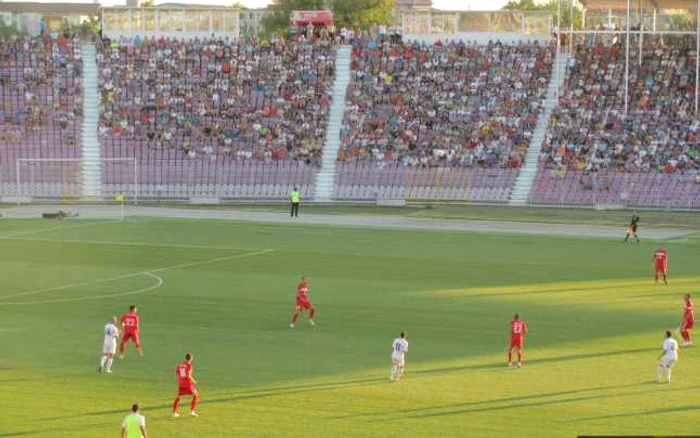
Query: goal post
[78, 183]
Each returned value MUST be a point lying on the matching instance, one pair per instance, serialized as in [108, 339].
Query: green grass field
[225, 291]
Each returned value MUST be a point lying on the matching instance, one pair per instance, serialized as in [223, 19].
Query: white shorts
[398, 359]
[109, 347]
[668, 361]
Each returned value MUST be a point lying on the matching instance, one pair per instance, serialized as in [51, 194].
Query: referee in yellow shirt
[295, 202]
[134, 425]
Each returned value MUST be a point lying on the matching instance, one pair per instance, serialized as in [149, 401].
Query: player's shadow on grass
[531, 362]
[244, 395]
[506, 404]
[647, 412]
[102, 425]
[494, 401]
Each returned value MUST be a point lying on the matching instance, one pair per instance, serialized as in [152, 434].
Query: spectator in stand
[244, 100]
[40, 79]
[589, 130]
[447, 104]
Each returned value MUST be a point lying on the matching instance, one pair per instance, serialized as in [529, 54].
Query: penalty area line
[10, 236]
[149, 272]
[137, 244]
[159, 283]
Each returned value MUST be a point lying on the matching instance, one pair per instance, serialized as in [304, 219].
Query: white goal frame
[80, 161]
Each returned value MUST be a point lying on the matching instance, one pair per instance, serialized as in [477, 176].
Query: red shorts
[134, 335]
[186, 389]
[304, 304]
[688, 324]
[516, 342]
[660, 268]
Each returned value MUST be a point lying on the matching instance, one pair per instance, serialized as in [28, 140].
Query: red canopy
[300, 18]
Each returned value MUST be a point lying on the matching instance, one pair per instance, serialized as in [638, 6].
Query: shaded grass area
[596, 320]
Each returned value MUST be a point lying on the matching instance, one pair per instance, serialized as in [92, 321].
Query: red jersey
[302, 291]
[184, 374]
[518, 328]
[130, 321]
[689, 311]
[660, 257]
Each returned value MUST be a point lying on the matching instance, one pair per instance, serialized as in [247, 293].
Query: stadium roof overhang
[618, 5]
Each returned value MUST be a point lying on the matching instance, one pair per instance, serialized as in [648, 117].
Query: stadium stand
[212, 112]
[40, 109]
[464, 107]
[595, 154]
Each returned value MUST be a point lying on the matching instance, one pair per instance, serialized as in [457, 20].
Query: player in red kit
[518, 328]
[660, 264]
[688, 321]
[186, 385]
[130, 323]
[303, 303]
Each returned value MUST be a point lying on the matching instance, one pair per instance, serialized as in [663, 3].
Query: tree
[348, 13]
[277, 22]
[550, 6]
[362, 13]
[238, 5]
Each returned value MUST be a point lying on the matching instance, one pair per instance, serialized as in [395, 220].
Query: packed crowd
[246, 99]
[589, 130]
[446, 104]
[40, 90]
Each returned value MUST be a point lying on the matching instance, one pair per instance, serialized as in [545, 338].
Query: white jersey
[399, 349]
[670, 346]
[111, 332]
[110, 343]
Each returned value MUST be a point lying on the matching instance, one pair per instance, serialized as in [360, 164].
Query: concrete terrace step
[526, 177]
[325, 178]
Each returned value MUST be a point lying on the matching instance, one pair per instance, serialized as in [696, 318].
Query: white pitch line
[159, 283]
[134, 274]
[144, 244]
[58, 227]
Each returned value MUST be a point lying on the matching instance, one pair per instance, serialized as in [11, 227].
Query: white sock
[400, 371]
[393, 372]
[109, 364]
[103, 360]
[659, 371]
[668, 374]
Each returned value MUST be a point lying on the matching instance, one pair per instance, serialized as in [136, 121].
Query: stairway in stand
[91, 166]
[526, 177]
[325, 178]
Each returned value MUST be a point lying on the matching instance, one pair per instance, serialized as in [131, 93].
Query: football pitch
[225, 291]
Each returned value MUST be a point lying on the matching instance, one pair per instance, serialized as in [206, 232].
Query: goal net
[79, 187]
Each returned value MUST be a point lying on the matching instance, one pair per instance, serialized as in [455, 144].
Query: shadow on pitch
[529, 402]
[73, 428]
[249, 395]
[647, 412]
[531, 362]
[521, 398]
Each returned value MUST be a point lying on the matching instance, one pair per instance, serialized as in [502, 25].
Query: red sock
[510, 356]
[311, 313]
[193, 403]
[686, 335]
[520, 355]
[176, 405]
[121, 348]
[294, 317]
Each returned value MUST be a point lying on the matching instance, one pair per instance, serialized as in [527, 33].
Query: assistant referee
[134, 425]
[295, 197]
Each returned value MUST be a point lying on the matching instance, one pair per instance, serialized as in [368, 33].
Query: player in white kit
[399, 349]
[668, 357]
[109, 347]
